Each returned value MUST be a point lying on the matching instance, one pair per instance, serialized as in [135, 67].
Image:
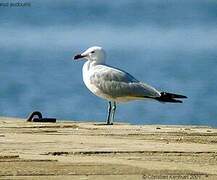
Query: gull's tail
[169, 97]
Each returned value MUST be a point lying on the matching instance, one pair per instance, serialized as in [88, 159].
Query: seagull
[116, 85]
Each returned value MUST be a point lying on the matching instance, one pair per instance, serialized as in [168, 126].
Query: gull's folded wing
[117, 83]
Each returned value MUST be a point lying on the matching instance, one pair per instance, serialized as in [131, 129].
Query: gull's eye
[92, 52]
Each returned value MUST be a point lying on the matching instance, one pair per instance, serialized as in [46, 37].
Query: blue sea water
[169, 44]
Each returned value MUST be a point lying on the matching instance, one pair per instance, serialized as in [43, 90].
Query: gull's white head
[94, 53]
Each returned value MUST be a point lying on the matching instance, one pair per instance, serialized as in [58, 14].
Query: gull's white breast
[87, 71]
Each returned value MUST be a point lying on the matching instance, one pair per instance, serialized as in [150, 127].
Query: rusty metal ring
[31, 118]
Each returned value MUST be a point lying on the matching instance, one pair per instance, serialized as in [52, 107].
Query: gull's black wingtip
[170, 97]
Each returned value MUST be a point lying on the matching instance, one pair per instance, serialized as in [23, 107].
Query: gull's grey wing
[117, 83]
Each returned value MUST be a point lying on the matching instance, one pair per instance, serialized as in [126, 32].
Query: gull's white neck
[90, 63]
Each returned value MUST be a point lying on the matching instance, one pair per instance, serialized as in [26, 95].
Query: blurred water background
[170, 44]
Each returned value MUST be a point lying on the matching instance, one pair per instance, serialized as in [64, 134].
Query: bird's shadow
[103, 124]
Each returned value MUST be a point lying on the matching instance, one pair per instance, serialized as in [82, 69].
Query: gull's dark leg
[113, 111]
[109, 112]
